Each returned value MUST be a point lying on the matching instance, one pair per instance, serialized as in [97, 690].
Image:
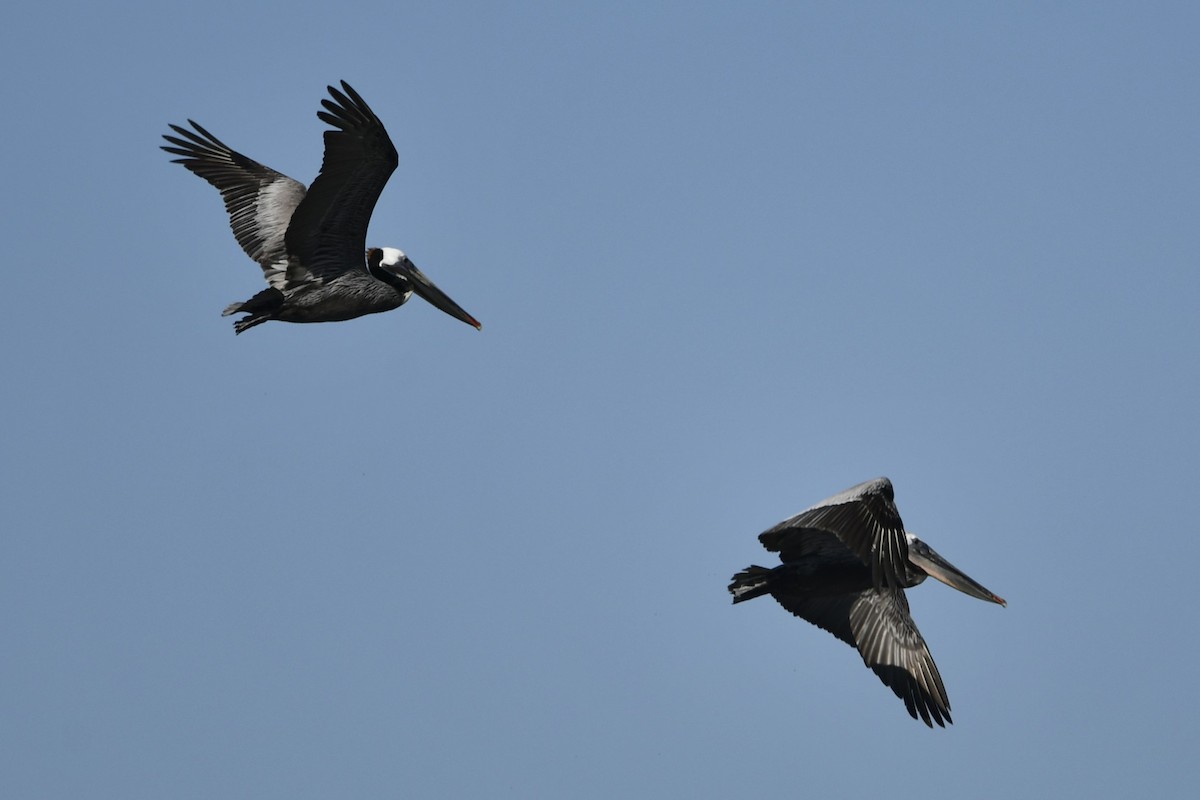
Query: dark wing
[829, 612]
[864, 518]
[878, 624]
[328, 234]
[260, 201]
[892, 646]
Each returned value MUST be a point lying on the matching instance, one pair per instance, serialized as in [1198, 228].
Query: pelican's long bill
[405, 268]
[435, 296]
[925, 557]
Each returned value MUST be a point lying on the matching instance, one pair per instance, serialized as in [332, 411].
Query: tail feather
[754, 581]
[261, 308]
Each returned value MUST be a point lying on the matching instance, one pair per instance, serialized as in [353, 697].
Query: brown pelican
[310, 244]
[846, 563]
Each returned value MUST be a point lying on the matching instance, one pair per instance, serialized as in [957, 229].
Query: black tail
[752, 582]
[261, 308]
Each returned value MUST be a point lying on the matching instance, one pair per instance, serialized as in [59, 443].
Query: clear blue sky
[729, 259]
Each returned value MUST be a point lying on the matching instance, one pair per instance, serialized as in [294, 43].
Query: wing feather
[259, 200]
[894, 649]
[864, 518]
[878, 625]
[328, 234]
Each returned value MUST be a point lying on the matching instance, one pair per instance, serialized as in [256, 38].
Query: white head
[392, 256]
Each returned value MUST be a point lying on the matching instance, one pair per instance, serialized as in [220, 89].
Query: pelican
[846, 563]
[311, 244]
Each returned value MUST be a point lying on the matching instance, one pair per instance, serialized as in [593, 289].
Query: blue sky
[729, 260]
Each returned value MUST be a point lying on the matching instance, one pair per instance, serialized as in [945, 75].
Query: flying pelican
[310, 244]
[846, 563]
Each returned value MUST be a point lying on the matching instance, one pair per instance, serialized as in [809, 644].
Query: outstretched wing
[863, 518]
[892, 646]
[259, 200]
[328, 232]
[879, 625]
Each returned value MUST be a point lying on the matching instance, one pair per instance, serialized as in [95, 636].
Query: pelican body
[311, 243]
[845, 565]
